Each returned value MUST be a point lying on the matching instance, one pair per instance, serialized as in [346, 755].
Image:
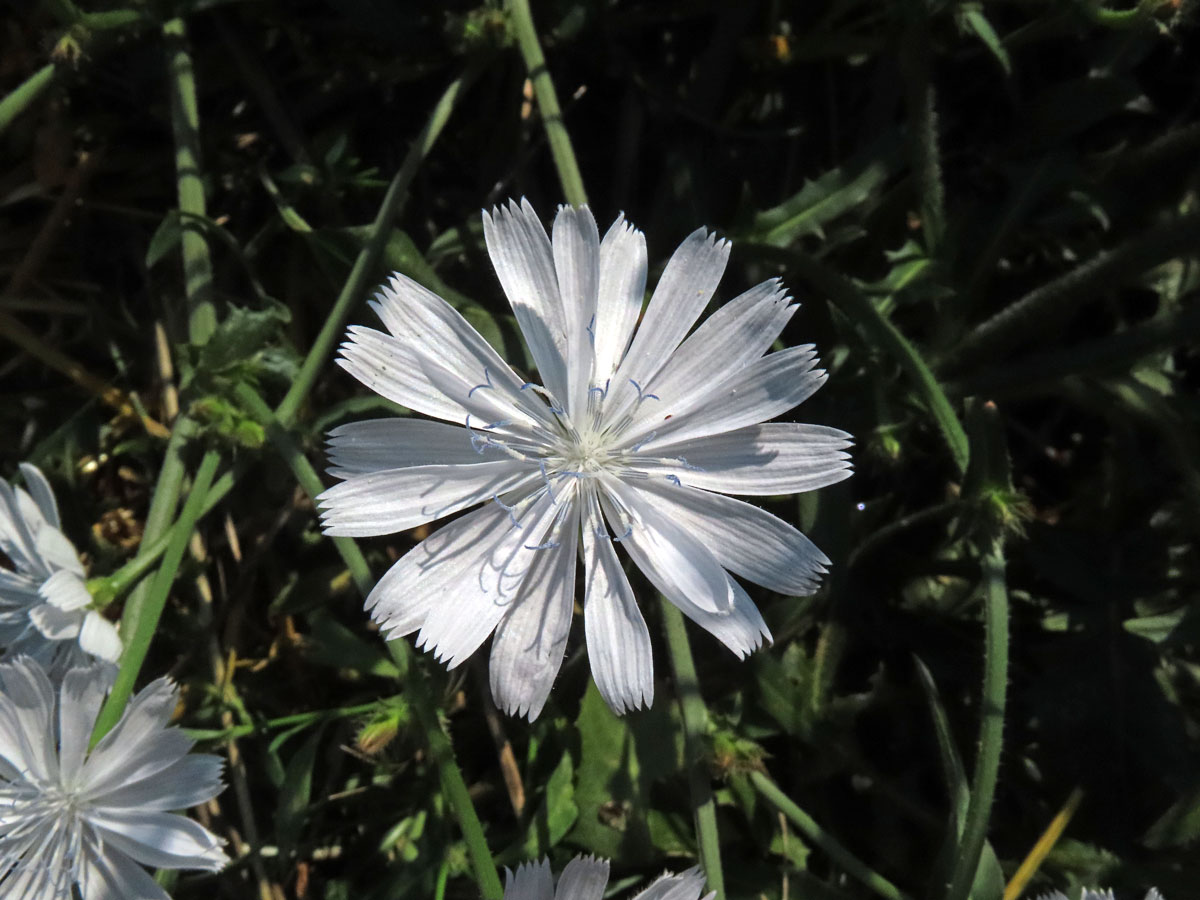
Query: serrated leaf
[821, 201]
[165, 238]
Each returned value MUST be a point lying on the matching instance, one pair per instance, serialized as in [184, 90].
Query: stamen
[546, 478]
[487, 376]
[508, 509]
[674, 479]
[628, 531]
[545, 395]
[643, 442]
[603, 392]
[591, 329]
[641, 394]
[549, 545]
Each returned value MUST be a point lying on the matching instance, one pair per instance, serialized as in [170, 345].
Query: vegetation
[989, 212]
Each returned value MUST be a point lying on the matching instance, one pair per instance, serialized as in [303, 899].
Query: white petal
[735, 335]
[659, 544]
[583, 878]
[391, 369]
[685, 288]
[372, 445]
[773, 458]
[429, 573]
[56, 624]
[576, 248]
[99, 637]
[531, 881]
[622, 288]
[744, 539]
[761, 391]
[80, 697]
[398, 499]
[114, 876]
[528, 648]
[159, 839]
[187, 782]
[65, 590]
[140, 744]
[524, 263]
[736, 623]
[16, 537]
[436, 332]
[57, 551]
[684, 886]
[27, 750]
[618, 640]
[39, 489]
[741, 629]
[488, 585]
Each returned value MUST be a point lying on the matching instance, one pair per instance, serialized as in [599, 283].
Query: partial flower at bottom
[1097, 894]
[70, 816]
[634, 436]
[43, 599]
[585, 878]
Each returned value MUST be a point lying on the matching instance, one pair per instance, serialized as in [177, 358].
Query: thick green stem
[849, 863]
[859, 309]
[915, 58]
[991, 726]
[185, 125]
[372, 251]
[137, 644]
[25, 94]
[695, 727]
[1054, 302]
[454, 786]
[547, 100]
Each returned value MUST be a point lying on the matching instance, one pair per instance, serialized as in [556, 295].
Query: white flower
[43, 601]
[585, 878]
[635, 435]
[69, 816]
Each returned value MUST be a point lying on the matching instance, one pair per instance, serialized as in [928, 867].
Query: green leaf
[552, 820]
[333, 644]
[972, 20]
[296, 794]
[821, 201]
[165, 238]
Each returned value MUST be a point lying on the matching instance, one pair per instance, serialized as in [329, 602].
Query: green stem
[454, 786]
[138, 643]
[304, 718]
[922, 122]
[1054, 302]
[110, 588]
[860, 310]
[695, 728]
[368, 258]
[158, 519]
[547, 100]
[185, 125]
[851, 864]
[25, 94]
[991, 726]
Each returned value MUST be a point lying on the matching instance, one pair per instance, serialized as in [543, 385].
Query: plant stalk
[695, 729]
[547, 100]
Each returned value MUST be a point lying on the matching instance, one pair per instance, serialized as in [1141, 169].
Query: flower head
[73, 816]
[634, 436]
[43, 599]
[585, 878]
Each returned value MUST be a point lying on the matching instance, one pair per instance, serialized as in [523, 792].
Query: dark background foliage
[1033, 240]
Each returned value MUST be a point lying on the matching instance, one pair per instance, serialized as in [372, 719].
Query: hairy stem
[695, 727]
[991, 726]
